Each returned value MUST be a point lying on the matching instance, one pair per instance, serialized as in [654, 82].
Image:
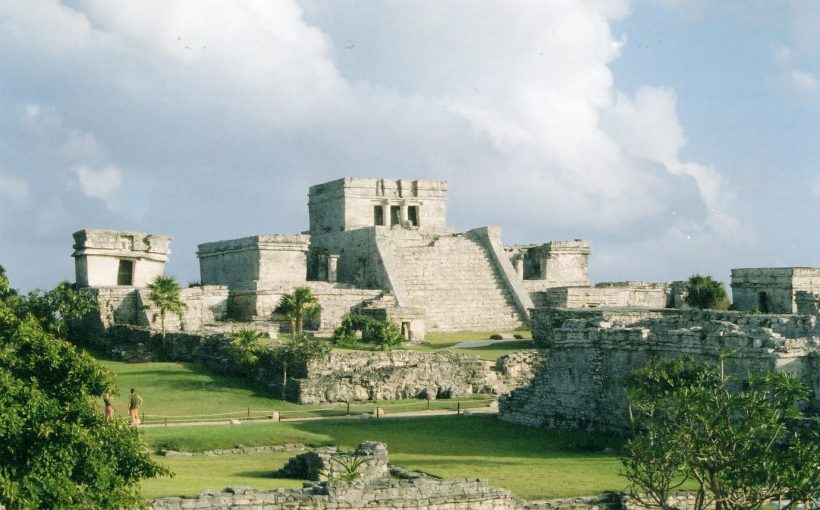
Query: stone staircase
[453, 279]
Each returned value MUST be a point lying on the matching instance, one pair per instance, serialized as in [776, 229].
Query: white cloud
[99, 183]
[13, 190]
[804, 81]
[254, 100]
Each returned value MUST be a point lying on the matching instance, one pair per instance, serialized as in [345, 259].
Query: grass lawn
[189, 392]
[437, 341]
[195, 474]
[533, 463]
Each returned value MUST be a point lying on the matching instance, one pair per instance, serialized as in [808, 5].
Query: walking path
[481, 343]
[405, 414]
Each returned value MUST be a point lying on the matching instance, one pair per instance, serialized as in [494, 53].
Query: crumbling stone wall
[348, 376]
[369, 461]
[807, 303]
[607, 294]
[589, 351]
[374, 489]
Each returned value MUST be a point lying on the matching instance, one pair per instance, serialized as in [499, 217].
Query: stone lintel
[120, 243]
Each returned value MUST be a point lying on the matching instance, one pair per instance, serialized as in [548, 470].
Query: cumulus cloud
[13, 190]
[223, 114]
[99, 183]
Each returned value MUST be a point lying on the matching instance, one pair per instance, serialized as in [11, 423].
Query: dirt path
[406, 414]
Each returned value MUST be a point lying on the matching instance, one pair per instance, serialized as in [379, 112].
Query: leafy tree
[56, 448]
[298, 306]
[706, 293]
[5, 289]
[164, 294]
[385, 334]
[739, 448]
[244, 346]
[300, 350]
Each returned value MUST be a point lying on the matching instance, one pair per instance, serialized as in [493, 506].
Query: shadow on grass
[460, 436]
[260, 473]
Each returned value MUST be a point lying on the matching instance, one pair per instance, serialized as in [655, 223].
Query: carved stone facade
[586, 354]
[107, 258]
[772, 289]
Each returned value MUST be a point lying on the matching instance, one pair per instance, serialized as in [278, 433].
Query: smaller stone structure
[368, 462]
[267, 259]
[375, 489]
[553, 264]
[107, 258]
[606, 294]
[772, 289]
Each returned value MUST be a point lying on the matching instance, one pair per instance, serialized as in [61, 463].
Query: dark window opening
[413, 215]
[395, 215]
[125, 273]
[763, 302]
[378, 215]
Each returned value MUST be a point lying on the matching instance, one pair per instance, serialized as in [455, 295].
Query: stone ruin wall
[772, 288]
[348, 376]
[335, 299]
[807, 303]
[130, 306]
[606, 294]
[587, 352]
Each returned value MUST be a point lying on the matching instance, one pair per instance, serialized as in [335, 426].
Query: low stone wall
[421, 494]
[577, 385]
[348, 376]
[682, 500]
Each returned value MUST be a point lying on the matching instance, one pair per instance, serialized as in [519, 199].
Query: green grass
[188, 392]
[194, 474]
[437, 341]
[533, 463]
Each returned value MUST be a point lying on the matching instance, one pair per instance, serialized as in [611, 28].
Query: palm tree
[706, 293]
[244, 344]
[297, 307]
[164, 294]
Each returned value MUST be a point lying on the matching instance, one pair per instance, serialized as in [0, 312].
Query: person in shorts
[109, 406]
[134, 403]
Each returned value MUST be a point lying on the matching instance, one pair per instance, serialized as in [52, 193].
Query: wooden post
[348, 408]
[458, 408]
[428, 403]
[249, 413]
[143, 417]
[166, 421]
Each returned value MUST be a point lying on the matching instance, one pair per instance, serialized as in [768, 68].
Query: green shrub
[385, 334]
[496, 336]
[518, 336]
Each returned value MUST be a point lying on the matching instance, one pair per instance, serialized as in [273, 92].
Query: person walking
[109, 406]
[134, 403]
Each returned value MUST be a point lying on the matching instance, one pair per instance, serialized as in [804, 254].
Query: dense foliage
[56, 449]
[706, 293]
[740, 448]
[385, 334]
[164, 294]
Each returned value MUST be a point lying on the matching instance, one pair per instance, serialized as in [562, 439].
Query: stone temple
[383, 247]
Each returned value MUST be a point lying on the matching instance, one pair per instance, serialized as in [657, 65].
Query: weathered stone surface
[104, 258]
[372, 489]
[577, 384]
[773, 289]
[349, 376]
[607, 294]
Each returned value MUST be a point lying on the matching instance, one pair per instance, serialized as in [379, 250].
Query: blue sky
[679, 136]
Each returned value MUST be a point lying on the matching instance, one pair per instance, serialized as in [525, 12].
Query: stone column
[519, 266]
[386, 213]
[332, 264]
[403, 221]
